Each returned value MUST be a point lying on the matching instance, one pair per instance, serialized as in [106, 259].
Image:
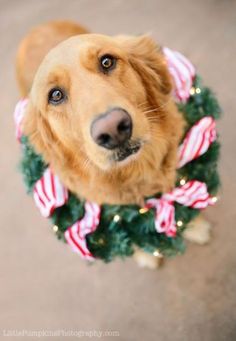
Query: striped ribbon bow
[49, 193]
[18, 116]
[76, 234]
[193, 194]
[197, 140]
[182, 72]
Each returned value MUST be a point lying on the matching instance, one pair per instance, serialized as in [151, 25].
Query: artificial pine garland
[122, 227]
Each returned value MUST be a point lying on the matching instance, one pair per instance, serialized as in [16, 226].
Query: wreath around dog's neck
[108, 231]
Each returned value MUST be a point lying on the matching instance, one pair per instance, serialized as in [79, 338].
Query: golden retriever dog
[102, 114]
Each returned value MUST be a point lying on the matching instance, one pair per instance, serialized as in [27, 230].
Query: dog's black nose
[112, 129]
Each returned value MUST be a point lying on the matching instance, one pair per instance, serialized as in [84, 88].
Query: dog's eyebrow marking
[88, 57]
[59, 75]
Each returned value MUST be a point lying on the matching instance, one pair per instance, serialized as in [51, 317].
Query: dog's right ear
[37, 129]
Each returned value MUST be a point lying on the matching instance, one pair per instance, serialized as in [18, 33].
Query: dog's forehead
[71, 48]
[69, 52]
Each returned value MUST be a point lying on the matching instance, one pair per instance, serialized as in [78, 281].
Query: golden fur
[140, 84]
[34, 47]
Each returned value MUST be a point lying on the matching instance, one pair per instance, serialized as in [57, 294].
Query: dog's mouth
[125, 151]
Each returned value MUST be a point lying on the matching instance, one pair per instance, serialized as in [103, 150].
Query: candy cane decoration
[193, 194]
[76, 234]
[197, 140]
[49, 193]
[18, 116]
[182, 71]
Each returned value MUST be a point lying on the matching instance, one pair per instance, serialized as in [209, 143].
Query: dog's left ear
[147, 59]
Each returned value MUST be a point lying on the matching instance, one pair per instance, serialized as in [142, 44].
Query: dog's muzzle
[126, 150]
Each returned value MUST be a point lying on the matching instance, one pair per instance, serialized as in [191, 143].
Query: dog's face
[100, 99]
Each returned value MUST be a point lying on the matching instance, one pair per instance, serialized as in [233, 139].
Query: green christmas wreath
[122, 227]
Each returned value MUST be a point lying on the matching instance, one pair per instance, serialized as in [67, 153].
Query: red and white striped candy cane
[182, 71]
[197, 140]
[49, 193]
[76, 234]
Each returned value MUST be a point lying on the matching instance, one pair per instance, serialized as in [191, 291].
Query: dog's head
[101, 100]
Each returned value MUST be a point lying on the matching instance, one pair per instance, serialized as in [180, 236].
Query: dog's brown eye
[56, 96]
[107, 62]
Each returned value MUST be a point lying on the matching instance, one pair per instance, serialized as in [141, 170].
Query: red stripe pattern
[49, 193]
[76, 234]
[164, 216]
[193, 194]
[197, 140]
[182, 72]
[18, 116]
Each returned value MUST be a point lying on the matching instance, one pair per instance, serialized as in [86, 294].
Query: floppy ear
[37, 129]
[42, 137]
[148, 61]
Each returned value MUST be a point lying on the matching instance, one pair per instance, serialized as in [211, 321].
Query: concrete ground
[43, 285]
